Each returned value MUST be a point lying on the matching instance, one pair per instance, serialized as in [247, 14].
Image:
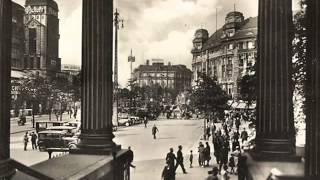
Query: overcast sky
[152, 28]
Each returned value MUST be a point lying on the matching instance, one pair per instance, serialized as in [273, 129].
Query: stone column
[6, 169]
[312, 151]
[275, 126]
[96, 107]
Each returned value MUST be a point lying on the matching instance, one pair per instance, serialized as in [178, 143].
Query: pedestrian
[242, 167]
[131, 156]
[191, 158]
[235, 143]
[236, 135]
[167, 172]
[154, 131]
[213, 174]
[232, 164]
[201, 154]
[75, 113]
[244, 135]
[225, 173]
[145, 121]
[237, 123]
[208, 132]
[180, 160]
[25, 140]
[34, 138]
[70, 112]
[207, 152]
[170, 158]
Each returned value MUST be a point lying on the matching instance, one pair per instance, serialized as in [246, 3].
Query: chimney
[169, 63]
[147, 62]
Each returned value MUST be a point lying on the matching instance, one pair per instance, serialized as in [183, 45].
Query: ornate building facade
[228, 53]
[42, 36]
[167, 76]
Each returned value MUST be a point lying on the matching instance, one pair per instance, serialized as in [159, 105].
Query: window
[230, 46]
[250, 45]
[32, 41]
[240, 45]
[244, 45]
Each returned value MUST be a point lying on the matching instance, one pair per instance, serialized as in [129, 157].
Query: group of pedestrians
[204, 154]
[33, 138]
[172, 163]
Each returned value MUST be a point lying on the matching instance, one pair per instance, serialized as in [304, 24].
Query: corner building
[228, 54]
[42, 36]
[17, 38]
[167, 76]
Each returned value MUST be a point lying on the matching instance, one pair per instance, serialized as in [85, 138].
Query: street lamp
[117, 22]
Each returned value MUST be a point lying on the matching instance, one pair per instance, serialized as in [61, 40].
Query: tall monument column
[96, 107]
[275, 125]
[312, 152]
[6, 169]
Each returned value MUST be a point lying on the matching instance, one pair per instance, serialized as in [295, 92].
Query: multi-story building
[71, 69]
[167, 76]
[42, 36]
[17, 38]
[228, 53]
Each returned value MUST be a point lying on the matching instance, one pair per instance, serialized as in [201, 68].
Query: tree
[299, 48]
[247, 85]
[209, 98]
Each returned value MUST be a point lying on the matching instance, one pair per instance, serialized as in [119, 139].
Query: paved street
[150, 153]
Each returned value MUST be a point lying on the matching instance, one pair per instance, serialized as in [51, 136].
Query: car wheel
[72, 146]
[127, 124]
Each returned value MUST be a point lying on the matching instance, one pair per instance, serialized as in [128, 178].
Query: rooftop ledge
[80, 166]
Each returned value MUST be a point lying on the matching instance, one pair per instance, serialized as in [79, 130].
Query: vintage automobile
[125, 121]
[43, 125]
[76, 124]
[135, 120]
[70, 130]
[55, 139]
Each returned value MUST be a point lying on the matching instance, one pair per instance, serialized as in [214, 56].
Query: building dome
[50, 3]
[234, 17]
[201, 33]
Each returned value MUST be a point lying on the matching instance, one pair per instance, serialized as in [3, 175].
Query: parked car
[70, 130]
[56, 139]
[125, 121]
[43, 125]
[135, 120]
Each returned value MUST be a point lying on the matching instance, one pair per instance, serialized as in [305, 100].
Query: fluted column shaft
[275, 126]
[5, 59]
[312, 152]
[96, 107]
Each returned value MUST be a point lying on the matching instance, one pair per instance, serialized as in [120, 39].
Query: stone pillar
[275, 125]
[312, 151]
[6, 169]
[96, 107]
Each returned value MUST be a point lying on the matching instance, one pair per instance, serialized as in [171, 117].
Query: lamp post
[117, 22]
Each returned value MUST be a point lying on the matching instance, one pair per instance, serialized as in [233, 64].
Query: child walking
[232, 164]
[191, 158]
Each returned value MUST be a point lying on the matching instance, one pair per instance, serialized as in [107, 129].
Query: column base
[99, 144]
[6, 169]
[275, 149]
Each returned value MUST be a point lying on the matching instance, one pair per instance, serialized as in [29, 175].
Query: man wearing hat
[213, 174]
[180, 160]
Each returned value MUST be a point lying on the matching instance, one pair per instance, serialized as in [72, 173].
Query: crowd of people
[228, 142]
